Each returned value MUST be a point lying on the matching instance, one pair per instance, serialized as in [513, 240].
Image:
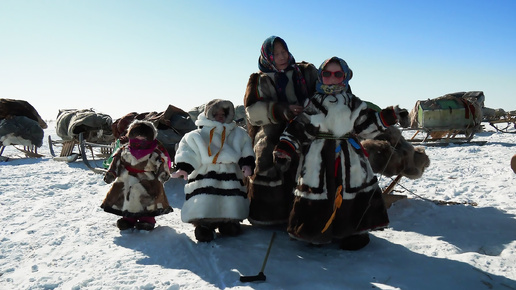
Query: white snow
[54, 235]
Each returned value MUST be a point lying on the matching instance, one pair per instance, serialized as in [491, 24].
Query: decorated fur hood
[208, 120]
[143, 128]
[214, 105]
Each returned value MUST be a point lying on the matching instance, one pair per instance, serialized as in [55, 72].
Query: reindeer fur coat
[138, 188]
[333, 166]
[270, 190]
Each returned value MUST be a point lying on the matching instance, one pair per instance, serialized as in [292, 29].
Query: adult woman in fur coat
[214, 159]
[337, 194]
[139, 169]
[273, 97]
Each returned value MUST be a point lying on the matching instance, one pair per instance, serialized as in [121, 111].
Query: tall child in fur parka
[337, 196]
[214, 159]
[273, 97]
[139, 169]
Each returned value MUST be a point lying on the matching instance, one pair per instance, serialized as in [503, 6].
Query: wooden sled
[29, 151]
[452, 118]
[103, 151]
[67, 154]
[443, 136]
[504, 124]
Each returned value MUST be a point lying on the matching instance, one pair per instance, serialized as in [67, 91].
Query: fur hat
[142, 128]
[214, 105]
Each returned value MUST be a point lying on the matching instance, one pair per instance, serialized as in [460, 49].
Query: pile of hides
[20, 124]
[172, 125]
[96, 127]
[391, 154]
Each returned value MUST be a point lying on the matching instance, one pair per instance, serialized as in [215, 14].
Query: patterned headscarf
[266, 60]
[266, 65]
[332, 89]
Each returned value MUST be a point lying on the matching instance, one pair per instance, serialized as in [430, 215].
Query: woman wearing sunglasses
[337, 197]
[273, 97]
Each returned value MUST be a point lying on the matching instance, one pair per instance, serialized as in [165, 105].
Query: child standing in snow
[214, 159]
[139, 169]
[337, 196]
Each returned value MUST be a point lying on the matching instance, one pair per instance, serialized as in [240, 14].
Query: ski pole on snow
[260, 276]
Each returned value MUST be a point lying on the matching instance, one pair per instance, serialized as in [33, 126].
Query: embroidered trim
[325, 135]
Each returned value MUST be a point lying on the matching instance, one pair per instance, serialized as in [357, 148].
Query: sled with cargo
[500, 120]
[452, 118]
[21, 126]
[82, 133]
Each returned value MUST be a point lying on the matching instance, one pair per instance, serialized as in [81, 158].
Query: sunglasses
[337, 74]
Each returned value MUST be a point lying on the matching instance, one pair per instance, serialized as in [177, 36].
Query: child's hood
[217, 104]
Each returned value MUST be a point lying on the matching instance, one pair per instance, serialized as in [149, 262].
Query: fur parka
[138, 189]
[332, 167]
[213, 156]
[270, 189]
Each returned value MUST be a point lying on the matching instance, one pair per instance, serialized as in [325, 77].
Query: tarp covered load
[96, 127]
[20, 124]
[461, 110]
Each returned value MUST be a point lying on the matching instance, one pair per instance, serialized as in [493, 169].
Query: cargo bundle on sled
[450, 118]
[84, 130]
[21, 127]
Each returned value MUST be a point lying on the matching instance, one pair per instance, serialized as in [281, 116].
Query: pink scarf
[141, 148]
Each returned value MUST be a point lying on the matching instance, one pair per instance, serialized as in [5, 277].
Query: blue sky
[123, 56]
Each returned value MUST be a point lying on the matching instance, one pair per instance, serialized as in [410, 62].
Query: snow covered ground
[54, 235]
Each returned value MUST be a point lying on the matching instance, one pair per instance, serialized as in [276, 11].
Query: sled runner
[20, 126]
[452, 118]
[84, 130]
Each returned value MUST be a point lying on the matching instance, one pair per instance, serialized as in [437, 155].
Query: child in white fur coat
[215, 159]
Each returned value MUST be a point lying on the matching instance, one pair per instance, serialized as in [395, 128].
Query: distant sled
[500, 120]
[21, 127]
[452, 118]
[87, 132]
